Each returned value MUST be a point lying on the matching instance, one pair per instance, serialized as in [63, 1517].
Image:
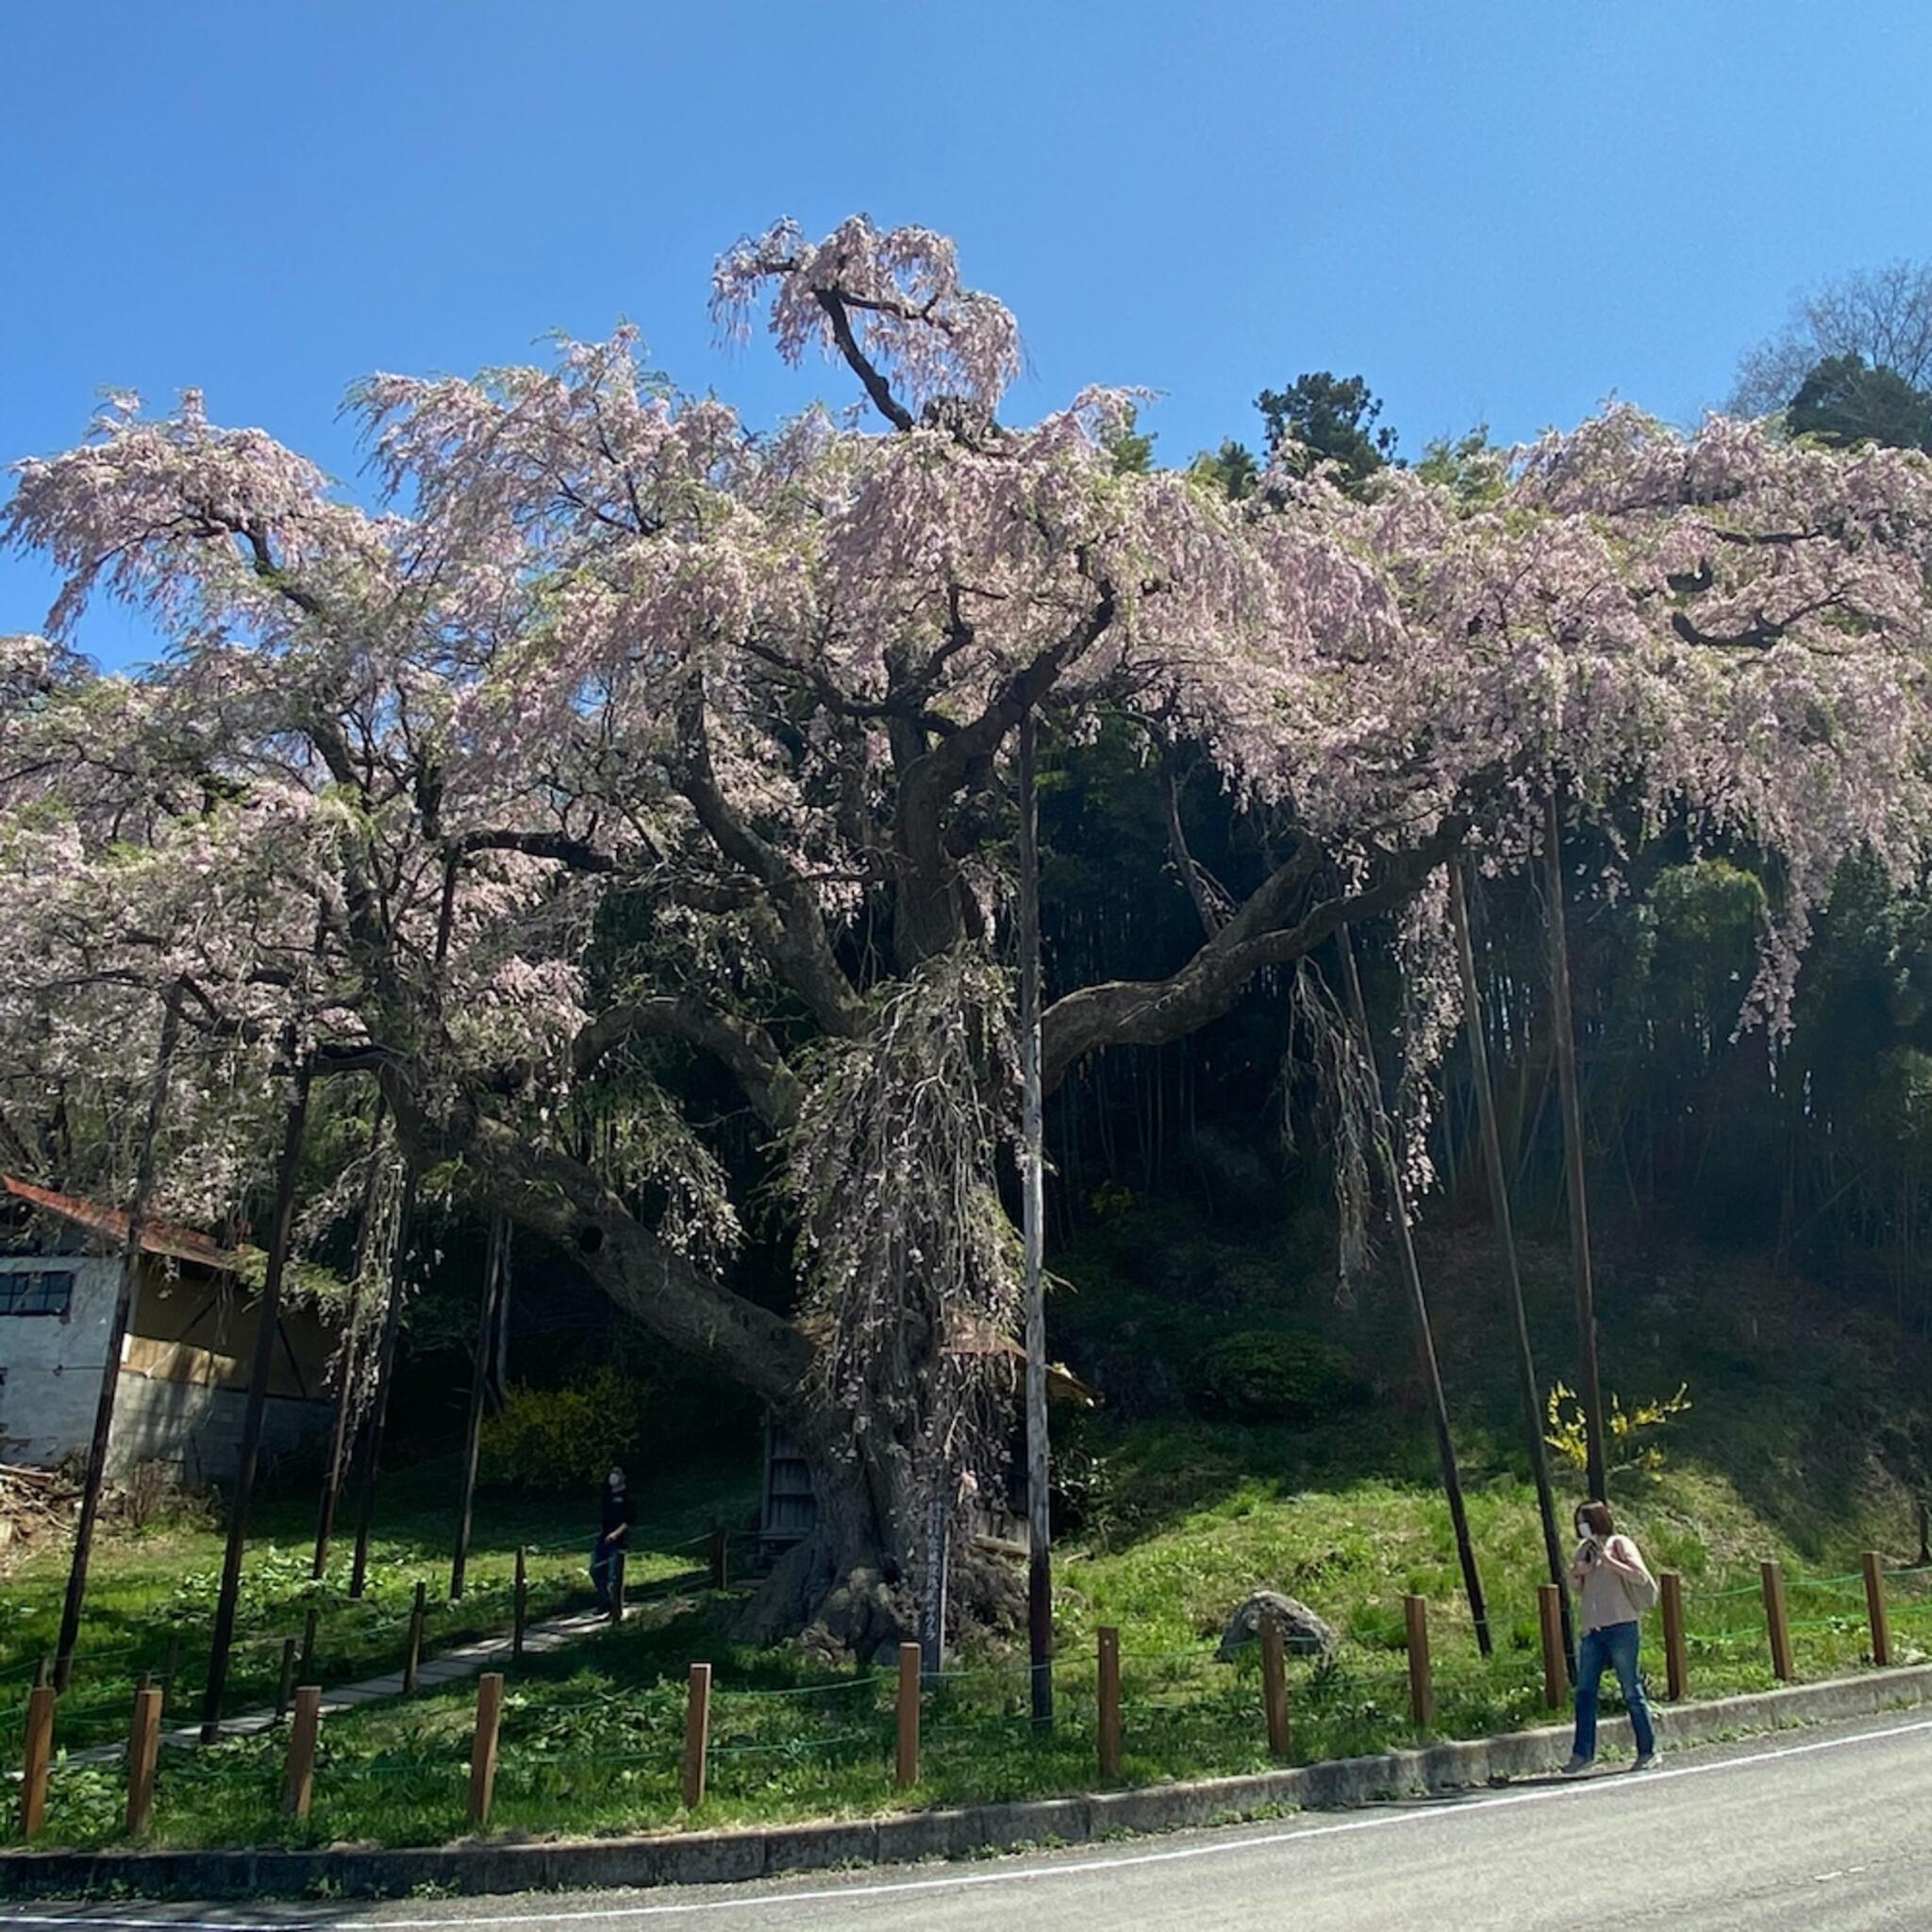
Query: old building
[186, 1361]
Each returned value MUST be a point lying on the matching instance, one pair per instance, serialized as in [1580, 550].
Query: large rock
[1303, 1633]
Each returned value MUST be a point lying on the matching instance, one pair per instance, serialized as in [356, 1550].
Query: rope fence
[351, 1638]
[657, 1751]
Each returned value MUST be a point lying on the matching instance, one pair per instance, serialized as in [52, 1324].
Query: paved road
[1827, 1830]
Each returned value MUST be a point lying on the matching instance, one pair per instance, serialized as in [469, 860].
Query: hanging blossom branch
[1321, 1043]
[891, 1166]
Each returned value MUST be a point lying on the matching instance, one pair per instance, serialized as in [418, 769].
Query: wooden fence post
[1109, 1727]
[906, 1767]
[143, 1748]
[617, 1590]
[1549, 1616]
[697, 1734]
[483, 1745]
[298, 1777]
[1875, 1607]
[1777, 1624]
[1273, 1687]
[1421, 1696]
[520, 1615]
[285, 1684]
[141, 1684]
[412, 1658]
[40, 1754]
[1676, 1656]
[310, 1627]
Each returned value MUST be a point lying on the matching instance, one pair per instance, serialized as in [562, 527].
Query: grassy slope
[1799, 1446]
[150, 1587]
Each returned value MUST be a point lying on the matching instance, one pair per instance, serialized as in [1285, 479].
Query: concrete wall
[53, 1381]
[197, 1430]
[53, 1365]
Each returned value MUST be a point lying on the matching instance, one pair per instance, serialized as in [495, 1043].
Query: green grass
[592, 1739]
[151, 1594]
[1799, 1446]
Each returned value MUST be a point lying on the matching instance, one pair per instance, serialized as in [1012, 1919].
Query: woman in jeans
[1614, 1586]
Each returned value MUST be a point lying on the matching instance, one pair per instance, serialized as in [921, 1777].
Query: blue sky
[1498, 213]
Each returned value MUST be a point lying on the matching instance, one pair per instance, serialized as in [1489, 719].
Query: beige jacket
[1606, 1594]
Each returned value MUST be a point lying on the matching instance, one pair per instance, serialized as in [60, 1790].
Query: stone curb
[710, 1857]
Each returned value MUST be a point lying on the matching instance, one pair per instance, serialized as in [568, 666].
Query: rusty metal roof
[157, 1237]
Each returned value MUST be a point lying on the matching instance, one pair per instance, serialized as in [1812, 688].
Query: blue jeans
[604, 1561]
[1614, 1645]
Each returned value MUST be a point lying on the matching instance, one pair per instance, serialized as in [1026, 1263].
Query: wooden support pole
[349, 1361]
[1273, 1687]
[412, 1656]
[37, 1757]
[1777, 1626]
[144, 1749]
[906, 1764]
[617, 1589]
[385, 1377]
[1421, 1695]
[1565, 1028]
[310, 1625]
[299, 1776]
[1529, 1385]
[126, 1294]
[1925, 1533]
[1676, 1654]
[1033, 1238]
[1108, 1728]
[520, 1612]
[1549, 1609]
[285, 1684]
[1875, 1607]
[1418, 1302]
[268, 1333]
[493, 1263]
[483, 1746]
[697, 1734]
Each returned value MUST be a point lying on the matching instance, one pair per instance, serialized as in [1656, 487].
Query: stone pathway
[450, 1667]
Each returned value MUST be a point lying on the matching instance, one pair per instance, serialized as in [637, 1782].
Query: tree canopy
[615, 734]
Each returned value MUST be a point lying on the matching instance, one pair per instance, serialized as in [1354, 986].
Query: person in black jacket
[613, 1534]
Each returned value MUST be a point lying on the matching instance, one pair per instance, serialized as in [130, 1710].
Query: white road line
[1026, 1874]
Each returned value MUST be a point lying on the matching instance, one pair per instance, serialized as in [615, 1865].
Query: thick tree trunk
[851, 1587]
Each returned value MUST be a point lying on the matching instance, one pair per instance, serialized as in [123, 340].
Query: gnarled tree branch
[744, 1047]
